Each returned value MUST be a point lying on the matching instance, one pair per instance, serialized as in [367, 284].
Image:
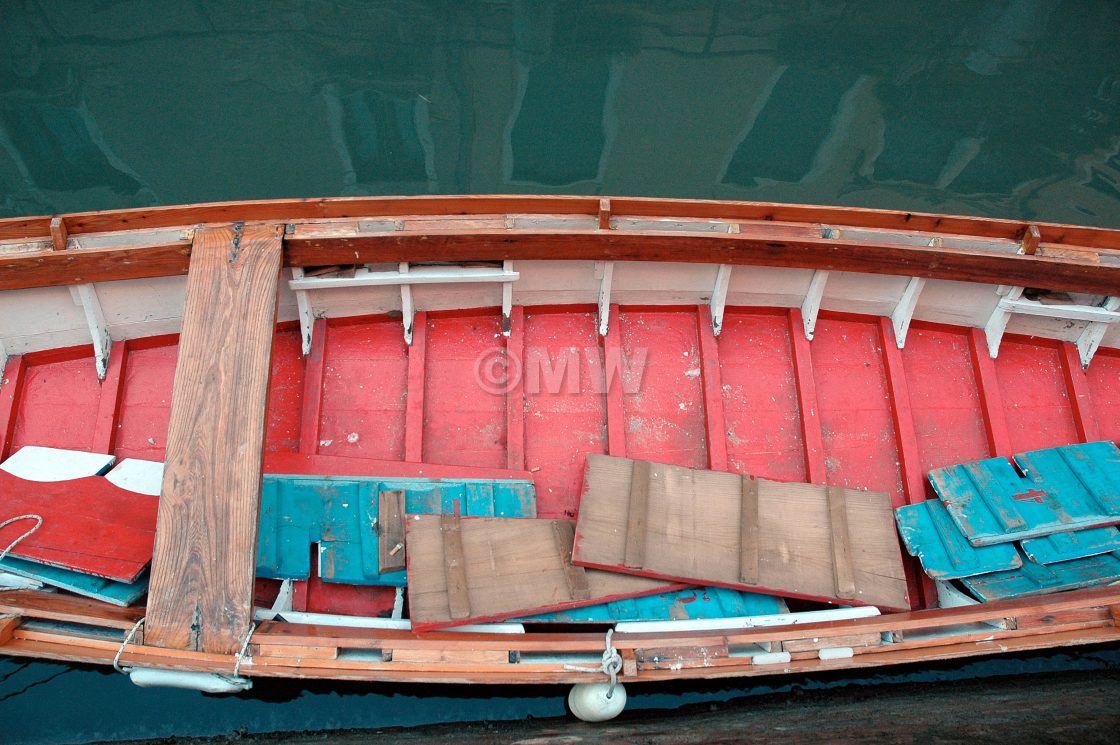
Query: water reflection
[1008, 108]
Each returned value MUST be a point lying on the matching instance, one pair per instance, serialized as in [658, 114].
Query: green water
[1007, 109]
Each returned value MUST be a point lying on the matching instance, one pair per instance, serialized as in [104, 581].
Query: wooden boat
[856, 348]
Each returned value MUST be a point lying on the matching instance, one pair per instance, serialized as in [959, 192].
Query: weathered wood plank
[636, 515]
[201, 591]
[455, 566]
[748, 532]
[390, 521]
[816, 542]
[513, 567]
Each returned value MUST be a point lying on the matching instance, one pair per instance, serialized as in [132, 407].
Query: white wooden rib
[408, 310]
[415, 276]
[997, 322]
[1090, 339]
[606, 271]
[98, 328]
[904, 312]
[811, 306]
[719, 296]
[306, 316]
[507, 298]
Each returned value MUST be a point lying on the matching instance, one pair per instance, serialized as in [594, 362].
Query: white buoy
[594, 702]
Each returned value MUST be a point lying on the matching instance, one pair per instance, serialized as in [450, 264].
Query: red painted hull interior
[848, 408]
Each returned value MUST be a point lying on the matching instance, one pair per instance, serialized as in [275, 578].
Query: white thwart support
[422, 275]
[98, 328]
[1098, 318]
[903, 313]
[1090, 339]
[507, 299]
[306, 315]
[719, 295]
[3, 362]
[605, 271]
[811, 306]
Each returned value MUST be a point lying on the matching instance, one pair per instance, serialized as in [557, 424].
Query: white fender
[147, 677]
[591, 702]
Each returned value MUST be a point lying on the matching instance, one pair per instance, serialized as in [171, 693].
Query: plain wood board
[695, 521]
[512, 567]
[203, 566]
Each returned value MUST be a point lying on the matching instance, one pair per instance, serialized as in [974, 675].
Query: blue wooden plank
[1037, 579]
[110, 591]
[931, 535]
[340, 515]
[1074, 545]
[696, 603]
[1062, 489]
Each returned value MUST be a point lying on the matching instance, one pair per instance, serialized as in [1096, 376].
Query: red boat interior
[848, 408]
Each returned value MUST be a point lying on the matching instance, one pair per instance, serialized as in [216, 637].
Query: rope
[244, 649]
[38, 524]
[127, 639]
[610, 666]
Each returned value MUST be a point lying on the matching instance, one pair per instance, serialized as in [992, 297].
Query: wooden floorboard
[201, 591]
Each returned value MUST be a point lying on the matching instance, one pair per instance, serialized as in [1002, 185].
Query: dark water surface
[1006, 108]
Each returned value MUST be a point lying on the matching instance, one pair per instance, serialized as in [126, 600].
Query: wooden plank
[694, 519]
[109, 405]
[68, 609]
[390, 522]
[513, 567]
[8, 626]
[843, 568]
[991, 399]
[748, 532]
[414, 398]
[59, 234]
[515, 390]
[451, 656]
[612, 361]
[201, 591]
[604, 214]
[1080, 396]
[677, 658]
[311, 409]
[564, 533]
[812, 644]
[455, 566]
[636, 509]
[308, 652]
[11, 393]
[807, 400]
[715, 425]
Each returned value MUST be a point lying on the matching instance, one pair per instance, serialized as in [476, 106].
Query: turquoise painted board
[1063, 489]
[1075, 545]
[1037, 579]
[931, 535]
[692, 604]
[110, 591]
[340, 516]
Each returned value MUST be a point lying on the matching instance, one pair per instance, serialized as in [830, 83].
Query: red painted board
[414, 396]
[1035, 398]
[1080, 397]
[565, 409]
[59, 404]
[109, 401]
[945, 402]
[714, 420]
[285, 392]
[515, 393]
[146, 406]
[613, 384]
[760, 402]
[1104, 387]
[662, 396]
[991, 398]
[464, 403]
[311, 404]
[89, 525]
[331, 465]
[807, 405]
[11, 392]
[860, 446]
[364, 378]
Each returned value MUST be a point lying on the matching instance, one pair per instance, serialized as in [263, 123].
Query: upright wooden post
[201, 592]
